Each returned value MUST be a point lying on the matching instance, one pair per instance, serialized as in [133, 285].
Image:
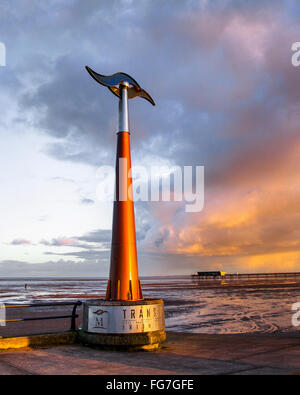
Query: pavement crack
[241, 370]
[264, 352]
[21, 370]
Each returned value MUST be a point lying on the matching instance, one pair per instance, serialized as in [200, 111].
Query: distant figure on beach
[25, 286]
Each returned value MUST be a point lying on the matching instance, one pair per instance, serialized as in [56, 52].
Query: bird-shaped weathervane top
[115, 81]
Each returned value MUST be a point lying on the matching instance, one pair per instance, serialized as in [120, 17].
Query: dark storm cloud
[189, 71]
[226, 93]
[82, 114]
[181, 54]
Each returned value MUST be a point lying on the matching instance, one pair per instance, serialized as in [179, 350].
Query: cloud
[60, 242]
[89, 247]
[89, 255]
[58, 268]
[17, 242]
[227, 97]
[96, 236]
[87, 201]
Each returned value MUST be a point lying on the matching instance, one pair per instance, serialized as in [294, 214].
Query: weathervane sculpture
[123, 281]
[139, 321]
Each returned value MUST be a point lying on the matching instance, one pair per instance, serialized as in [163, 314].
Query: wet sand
[191, 304]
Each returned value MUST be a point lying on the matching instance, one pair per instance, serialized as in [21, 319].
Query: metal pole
[123, 283]
[74, 315]
[123, 108]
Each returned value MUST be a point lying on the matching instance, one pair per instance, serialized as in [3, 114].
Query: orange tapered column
[123, 281]
[123, 319]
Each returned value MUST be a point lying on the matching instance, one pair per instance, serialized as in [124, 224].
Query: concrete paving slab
[182, 354]
[263, 371]
[7, 368]
[288, 357]
[229, 347]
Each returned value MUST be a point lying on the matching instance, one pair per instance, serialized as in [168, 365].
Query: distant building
[210, 274]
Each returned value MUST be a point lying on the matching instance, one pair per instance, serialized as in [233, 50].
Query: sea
[191, 304]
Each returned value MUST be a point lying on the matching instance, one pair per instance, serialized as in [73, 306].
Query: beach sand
[191, 304]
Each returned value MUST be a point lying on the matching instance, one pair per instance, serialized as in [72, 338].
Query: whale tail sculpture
[123, 283]
[115, 81]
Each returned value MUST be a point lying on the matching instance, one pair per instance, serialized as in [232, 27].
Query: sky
[227, 98]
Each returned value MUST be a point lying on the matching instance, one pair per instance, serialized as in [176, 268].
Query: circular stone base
[128, 342]
[127, 325]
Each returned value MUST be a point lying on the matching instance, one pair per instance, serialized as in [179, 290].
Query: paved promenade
[182, 353]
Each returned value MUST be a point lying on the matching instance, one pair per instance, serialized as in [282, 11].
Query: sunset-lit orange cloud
[251, 218]
[255, 222]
